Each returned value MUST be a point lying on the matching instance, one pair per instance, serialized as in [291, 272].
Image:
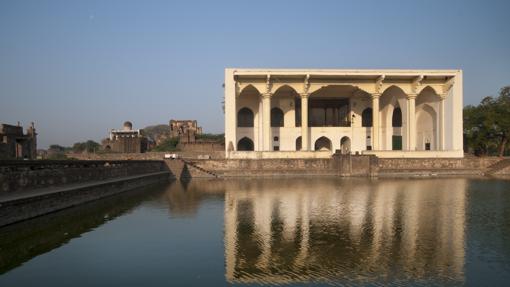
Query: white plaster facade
[389, 113]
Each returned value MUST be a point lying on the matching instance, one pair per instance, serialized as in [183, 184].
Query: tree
[88, 146]
[487, 126]
[169, 144]
[502, 121]
[58, 148]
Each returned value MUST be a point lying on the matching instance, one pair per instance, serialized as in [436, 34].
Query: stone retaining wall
[18, 176]
[338, 165]
[354, 165]
[147, 155]
[436, 163]
[251, 167]
[36, 204]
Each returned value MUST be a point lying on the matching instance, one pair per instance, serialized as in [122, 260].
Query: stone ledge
[39, 202]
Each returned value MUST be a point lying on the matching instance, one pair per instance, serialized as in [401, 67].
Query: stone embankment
[338, 165]
[347, 165]
[501, 167]
[33, 188]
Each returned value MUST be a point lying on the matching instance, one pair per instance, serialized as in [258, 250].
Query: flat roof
[346, 72]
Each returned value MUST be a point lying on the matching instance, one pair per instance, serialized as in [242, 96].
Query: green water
[291, 231]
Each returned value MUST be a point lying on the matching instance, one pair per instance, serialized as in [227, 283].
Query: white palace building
[300, 113]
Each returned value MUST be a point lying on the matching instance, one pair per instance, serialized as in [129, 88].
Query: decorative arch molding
[428, 109]
[244, 87]
[427, 96]
[392, 98]
[295, 87]
[422, 88]
[405, 88]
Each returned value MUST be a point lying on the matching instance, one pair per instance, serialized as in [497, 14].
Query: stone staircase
[193, 165]
[498, 166]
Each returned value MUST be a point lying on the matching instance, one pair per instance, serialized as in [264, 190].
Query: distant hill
[157, 132]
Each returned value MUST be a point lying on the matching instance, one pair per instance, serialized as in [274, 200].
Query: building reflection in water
[184, 198]
[352, 230]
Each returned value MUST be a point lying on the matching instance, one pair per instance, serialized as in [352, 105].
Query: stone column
[266, 122]
[411, 123]
[441, 123]
[375, 122]
[304, 122]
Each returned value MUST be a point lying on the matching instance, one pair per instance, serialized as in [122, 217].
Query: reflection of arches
[245, 144]
[426, 127]
[345, 145]
[396, 118]
[245, 118]
[366, 117]
[323, 143]
[298, 143]
[277, 117]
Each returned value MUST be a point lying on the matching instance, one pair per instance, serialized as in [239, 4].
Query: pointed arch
[426, 128]
[245, 118]
[284, 88]
[427, 95]
[249, 89]
[299, 143]
[393, 87]
[277, 119]
[393, 112]
[366, 118]
[322, 143]
[396, 118]
[428, 87]
[345, 145]
[245, 144]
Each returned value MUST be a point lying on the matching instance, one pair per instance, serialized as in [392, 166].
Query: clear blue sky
[79, 68]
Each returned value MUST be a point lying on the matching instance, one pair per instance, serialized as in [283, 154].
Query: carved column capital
[411, 96]
[442, 96]
[375, 96]
[304, 95]
[266, 95]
